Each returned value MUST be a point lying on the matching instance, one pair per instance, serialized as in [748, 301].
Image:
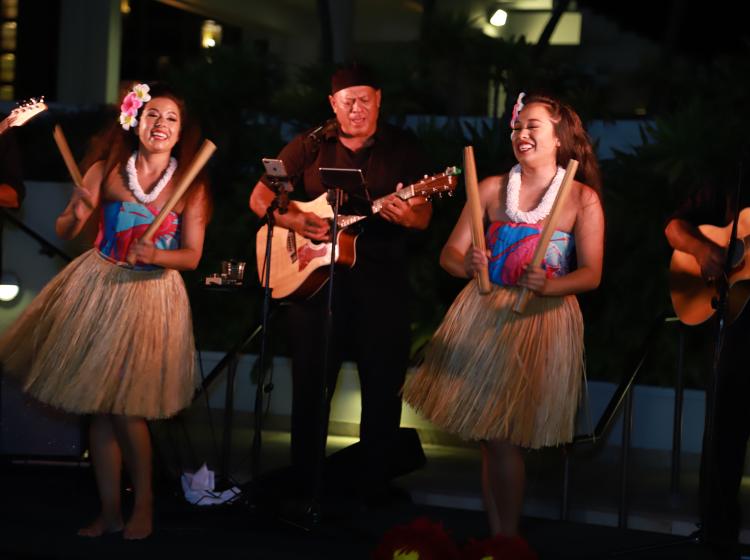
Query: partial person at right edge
[723, 454]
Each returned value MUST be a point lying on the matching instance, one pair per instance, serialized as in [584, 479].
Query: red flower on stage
[499, 547]
[420, 540]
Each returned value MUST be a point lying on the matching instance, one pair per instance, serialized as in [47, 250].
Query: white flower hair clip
[133, 101]
[517, 109]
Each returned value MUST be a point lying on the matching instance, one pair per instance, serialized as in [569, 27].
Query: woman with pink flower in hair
[111, 334]
[512, 381]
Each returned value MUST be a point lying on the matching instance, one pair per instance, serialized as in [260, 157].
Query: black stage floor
[43, 506]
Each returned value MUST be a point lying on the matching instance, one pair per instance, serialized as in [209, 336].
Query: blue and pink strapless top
[513, 245]
[124, 222]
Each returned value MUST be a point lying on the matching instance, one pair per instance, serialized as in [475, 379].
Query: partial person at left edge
[12, 188]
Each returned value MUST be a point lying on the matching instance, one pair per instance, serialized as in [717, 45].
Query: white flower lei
[545, 206]
[135, 187]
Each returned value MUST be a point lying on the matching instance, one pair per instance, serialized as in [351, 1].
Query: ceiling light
[499, 17]
[210, 34]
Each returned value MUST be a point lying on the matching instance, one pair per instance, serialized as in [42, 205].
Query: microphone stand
[281, 187]
[720, 304]
[335, 199]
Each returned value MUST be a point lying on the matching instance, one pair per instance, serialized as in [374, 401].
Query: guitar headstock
[444, 182]
[26, 111]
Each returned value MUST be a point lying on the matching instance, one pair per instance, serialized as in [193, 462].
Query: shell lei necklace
[135, 187]
[545, 206]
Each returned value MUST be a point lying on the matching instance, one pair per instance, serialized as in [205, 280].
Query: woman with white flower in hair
[111, 334]
[513, 381]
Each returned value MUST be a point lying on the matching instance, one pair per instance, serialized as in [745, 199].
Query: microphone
[319, 133]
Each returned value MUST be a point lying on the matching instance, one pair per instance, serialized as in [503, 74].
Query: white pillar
[89, 53]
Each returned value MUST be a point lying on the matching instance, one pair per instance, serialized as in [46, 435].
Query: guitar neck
[377, 205]
[404, 194]
[21, 114]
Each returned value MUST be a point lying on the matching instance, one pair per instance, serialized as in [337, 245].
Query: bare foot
[100, 526]
[140, 525]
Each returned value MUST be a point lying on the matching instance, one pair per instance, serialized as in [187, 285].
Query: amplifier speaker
[406, 455]
[31, 429]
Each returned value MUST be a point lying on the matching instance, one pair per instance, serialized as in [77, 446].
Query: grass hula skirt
[490, 373]
[100, 338]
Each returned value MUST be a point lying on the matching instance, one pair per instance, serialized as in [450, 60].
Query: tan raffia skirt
[490, 373]
[100, 338]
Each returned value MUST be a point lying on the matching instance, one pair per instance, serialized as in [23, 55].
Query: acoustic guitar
[693, 297]
[299, 265]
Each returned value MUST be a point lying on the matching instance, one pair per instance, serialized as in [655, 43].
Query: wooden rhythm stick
[70, 163]
[206, 150]
[475, 212]
[549, 229]
[204, 153]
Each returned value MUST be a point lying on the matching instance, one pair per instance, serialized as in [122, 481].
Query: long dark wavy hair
[574, 141]
[114, 145]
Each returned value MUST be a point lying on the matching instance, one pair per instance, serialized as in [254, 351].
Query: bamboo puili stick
[549, 229]
[475, 212]
[204, 153]
[70, 163]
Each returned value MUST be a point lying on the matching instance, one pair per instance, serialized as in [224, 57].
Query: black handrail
[621, 398]
[48, 248]
[626, 384]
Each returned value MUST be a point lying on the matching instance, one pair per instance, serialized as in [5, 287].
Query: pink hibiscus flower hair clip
[517, 109]
[131, 103]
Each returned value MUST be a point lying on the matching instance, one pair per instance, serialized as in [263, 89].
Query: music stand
[347, 194]
[357, 201]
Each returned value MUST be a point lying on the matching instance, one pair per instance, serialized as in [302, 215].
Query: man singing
[370, 304]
